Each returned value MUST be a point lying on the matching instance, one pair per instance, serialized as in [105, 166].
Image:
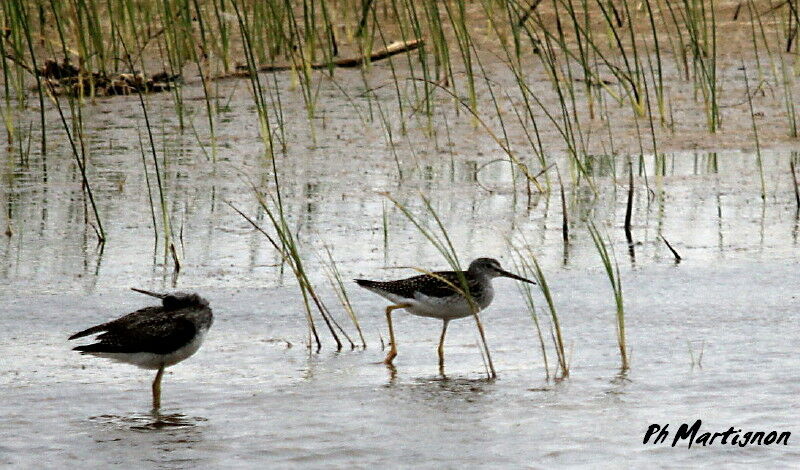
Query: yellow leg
[393, 349]
[441, 344]
[157, 389]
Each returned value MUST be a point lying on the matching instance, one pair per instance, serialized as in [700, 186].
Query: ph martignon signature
[658, 434]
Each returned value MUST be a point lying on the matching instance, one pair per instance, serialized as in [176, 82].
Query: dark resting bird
[440, 295]
[153, 337]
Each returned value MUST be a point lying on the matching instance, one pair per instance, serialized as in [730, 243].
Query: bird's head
[176, 300]
[491, 267]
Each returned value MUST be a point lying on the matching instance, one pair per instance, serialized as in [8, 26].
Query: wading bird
[440, 295]
[153, 337]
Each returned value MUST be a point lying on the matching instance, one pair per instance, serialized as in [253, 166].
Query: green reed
[8, 114]
[80, 160]
[335, 278]
[612, 270]
[166, 222]
[531, 265]
[286, 245]
[18, 20]
[700, 21]
[527, 293]
[759, 161]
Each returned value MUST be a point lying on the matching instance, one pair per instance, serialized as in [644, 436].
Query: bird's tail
[89, 331]
[92, 348]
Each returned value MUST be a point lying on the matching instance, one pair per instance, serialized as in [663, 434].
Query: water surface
[255, 395]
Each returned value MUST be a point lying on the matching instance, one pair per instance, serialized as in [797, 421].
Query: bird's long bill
[514, 276]
[147, 292]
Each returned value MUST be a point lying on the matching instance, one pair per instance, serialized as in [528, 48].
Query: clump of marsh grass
[576, 42]
[527, 293]
[287, 247]
[530, 266]
[700, 23]
[612, 270]
[335, 278]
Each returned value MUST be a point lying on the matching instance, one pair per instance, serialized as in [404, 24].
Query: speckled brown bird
[153, 337]
[440, 295]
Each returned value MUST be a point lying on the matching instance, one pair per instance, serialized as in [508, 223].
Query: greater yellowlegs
[440, 295]
[153, 337]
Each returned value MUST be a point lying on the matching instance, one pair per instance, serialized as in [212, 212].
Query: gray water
[255, 395]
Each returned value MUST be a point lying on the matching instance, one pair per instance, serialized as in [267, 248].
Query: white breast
[445, 308]
[147, 360]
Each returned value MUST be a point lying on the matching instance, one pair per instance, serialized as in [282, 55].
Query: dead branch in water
[397, 47]
[674, 253]
[794, 180]
[64, 79]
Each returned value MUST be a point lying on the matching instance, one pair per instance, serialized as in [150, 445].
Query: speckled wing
[427, 285]
[149, 330]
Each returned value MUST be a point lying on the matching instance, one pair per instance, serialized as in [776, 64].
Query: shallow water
[254, 394]
[246, 398]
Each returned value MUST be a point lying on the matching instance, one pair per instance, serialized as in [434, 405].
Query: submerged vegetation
[561, 88]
